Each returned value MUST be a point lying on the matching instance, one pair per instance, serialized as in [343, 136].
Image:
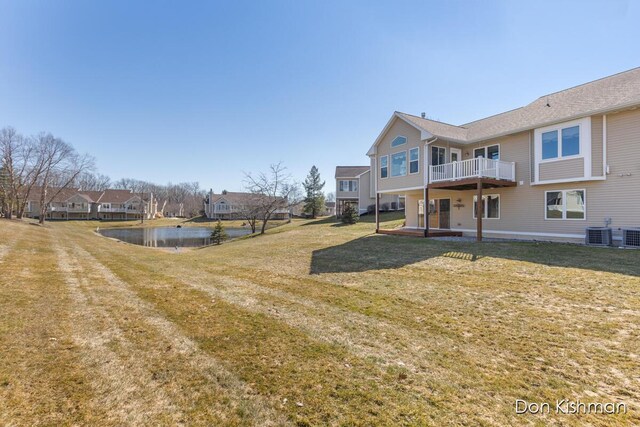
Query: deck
[415, 232]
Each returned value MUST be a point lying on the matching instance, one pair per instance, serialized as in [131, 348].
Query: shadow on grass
[378, 252]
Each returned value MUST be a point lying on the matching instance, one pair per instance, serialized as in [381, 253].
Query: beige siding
[400, 128]
[522, 208]
[596, 146]
[365, 198]
[562, 169]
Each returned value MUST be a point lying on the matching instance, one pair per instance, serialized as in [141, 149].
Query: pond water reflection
[169, 237]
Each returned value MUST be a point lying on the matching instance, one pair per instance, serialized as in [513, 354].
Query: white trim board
[399, 190]
[522, 233]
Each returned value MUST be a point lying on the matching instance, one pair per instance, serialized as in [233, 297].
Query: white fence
[473, 168]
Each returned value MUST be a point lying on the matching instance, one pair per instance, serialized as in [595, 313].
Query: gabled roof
[350, 171]
[612, 93]
[236, 198]
[117, 196]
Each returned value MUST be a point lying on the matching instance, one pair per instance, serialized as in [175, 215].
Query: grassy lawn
[315, 323]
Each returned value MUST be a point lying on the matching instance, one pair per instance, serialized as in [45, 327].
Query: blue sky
[202, 91]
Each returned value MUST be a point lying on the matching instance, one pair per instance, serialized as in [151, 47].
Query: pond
[170, 237]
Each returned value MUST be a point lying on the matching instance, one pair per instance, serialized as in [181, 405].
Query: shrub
[384, 207]
[350, 214]
[394, 206]
[218, 235]
[371, 209]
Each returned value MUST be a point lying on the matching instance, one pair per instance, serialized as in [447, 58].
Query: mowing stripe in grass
[42, 379]
[332, 385]
[147, 363]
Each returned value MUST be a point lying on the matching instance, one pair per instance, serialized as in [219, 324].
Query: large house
[71, 203]
[355, 186]
[231, 205]
[567, 161]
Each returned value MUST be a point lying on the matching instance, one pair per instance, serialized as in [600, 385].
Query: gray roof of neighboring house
[350, 171]
[611, 93]
[236, 198]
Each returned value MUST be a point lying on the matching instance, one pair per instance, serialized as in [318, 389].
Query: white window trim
[486, 206]
[388, 169]
[485, 148]
[560, 157]
[409, 161]
[564, 205]
[391, 161]
[585, 148]
[399, 145]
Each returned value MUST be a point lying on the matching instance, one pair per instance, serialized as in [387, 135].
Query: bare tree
[19, 169]
[88, 181]
[59, 165]
[251, 211]
[272, 191]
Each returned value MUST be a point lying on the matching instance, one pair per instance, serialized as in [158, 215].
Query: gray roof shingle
[618, 91]
[350, 171]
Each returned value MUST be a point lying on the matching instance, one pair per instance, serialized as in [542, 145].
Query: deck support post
[479, 212]
[377, 212]
[425, 210]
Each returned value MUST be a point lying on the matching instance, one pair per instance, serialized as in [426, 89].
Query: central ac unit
[631, 237]
[598, 236]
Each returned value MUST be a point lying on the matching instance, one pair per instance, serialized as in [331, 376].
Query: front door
[440, 213]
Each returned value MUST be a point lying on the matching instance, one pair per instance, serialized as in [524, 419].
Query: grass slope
[315, 323]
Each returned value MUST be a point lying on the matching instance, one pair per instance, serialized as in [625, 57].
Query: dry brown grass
[312, 324]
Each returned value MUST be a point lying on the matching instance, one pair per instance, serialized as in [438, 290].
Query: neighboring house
[354, 186]
[329, 209]
[230, 205]
[548, 170]
[72, 203]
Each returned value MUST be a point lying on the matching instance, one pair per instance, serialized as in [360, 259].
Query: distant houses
[108, 205]
[233, 205]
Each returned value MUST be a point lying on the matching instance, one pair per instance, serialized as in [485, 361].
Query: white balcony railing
[473, 168]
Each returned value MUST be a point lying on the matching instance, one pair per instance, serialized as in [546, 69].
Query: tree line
[43, 165]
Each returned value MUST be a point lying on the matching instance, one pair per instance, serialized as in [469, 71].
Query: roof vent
[423, 115]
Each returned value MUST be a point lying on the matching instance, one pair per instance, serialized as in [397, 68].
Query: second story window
[384, 166]
[345, 185]
[399, 164]
[438, 156]
[414, 160]
[399, 140]
[563, 142]
[490, 152]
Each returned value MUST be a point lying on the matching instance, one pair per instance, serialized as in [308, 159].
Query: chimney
[424, 115]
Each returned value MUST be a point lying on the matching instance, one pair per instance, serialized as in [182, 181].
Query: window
[571, 141]
[438, 156]
[490, 206]
[565, 204]
[384, 166]
[399, 164]
[550, 145]
[414, 160]
[345, 185]
[561, 142]
[490, 152]
[399, 140]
